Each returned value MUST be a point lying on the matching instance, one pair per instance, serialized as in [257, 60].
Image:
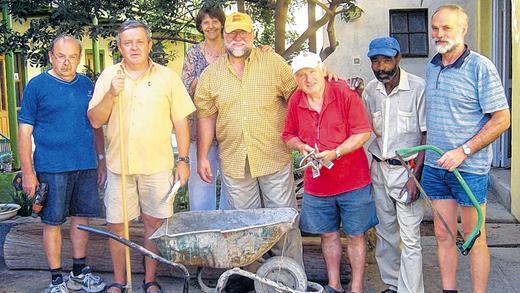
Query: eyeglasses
[242, 34]
[62, 58]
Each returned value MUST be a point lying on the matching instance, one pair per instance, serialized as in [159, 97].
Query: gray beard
[445, 49]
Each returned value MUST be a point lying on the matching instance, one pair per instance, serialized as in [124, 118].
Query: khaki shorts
[144, 193]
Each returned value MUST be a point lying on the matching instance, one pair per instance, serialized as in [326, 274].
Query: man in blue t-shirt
[466, 110]
[54, 113]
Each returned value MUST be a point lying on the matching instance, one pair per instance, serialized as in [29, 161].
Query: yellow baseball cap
[238, 21]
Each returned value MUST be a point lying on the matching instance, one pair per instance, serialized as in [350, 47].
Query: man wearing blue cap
[395, 105]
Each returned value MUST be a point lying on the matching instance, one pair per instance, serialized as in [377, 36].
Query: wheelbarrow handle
[475, 233]
[142, 250]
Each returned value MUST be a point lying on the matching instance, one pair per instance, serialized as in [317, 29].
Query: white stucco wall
[354, 37]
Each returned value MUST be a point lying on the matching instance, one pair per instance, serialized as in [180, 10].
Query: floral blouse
[194, 64]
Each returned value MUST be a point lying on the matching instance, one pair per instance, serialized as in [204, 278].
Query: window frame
[101, 58]
[408, 33]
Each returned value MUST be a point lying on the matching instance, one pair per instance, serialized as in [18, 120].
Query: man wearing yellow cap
[242, 98]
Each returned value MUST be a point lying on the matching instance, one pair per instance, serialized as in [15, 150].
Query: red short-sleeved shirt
[342, 115]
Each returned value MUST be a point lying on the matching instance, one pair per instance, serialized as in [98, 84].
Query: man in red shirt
[332, 118]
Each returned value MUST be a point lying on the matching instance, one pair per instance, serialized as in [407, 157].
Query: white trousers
[398, 248]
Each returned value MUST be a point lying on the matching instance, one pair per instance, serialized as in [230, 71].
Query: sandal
[146, 286]
[121, 287]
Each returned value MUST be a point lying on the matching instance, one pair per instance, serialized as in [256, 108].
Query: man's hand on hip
[29, 183]
[204, 169]
[452, 159]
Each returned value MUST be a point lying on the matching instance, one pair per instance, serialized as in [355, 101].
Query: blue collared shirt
[459, 100]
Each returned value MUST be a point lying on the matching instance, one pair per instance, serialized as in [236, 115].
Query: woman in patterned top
[210, 22]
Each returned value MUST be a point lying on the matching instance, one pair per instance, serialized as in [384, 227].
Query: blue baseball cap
[386, 46]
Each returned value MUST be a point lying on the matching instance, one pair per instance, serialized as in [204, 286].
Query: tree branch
[280, 19]
[305, 35]
[323, 6]
[333, 42]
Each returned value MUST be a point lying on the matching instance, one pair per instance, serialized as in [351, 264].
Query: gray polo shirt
[398, 118]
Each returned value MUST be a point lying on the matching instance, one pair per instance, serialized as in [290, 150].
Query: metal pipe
[95, 49]
[142, 250]
[11, 93]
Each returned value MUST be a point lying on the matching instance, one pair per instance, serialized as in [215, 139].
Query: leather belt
[394, 162]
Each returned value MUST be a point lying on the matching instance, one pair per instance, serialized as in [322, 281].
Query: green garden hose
[466, 245]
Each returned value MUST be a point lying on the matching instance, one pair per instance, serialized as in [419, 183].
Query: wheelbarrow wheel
[283, 270]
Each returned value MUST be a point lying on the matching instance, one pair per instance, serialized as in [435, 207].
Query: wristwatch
[100, 157]
[466, 149]
[185, 159]
[338, 154]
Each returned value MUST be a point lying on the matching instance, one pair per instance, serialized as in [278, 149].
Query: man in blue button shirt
[54, 113]
[466, 110]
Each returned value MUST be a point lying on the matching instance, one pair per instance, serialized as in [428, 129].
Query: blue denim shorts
[356, 209]
[442, 184]
[72, 193]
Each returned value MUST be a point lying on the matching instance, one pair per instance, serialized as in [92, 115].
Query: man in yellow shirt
[242, 98]
[154, 102]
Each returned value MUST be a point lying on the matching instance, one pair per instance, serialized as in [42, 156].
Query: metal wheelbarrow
[229, 239]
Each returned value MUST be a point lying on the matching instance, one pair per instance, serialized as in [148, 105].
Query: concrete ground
[504, 242]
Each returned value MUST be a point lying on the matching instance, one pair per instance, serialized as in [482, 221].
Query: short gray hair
[463, 17]
[64, 37]
[130, 24]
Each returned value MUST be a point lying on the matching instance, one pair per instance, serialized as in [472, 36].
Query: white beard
[238, 52]
[446, 48]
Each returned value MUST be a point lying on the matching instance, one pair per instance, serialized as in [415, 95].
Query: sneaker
[86, 281]
[59, 287]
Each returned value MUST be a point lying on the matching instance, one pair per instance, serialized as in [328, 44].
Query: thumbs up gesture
[118, 83]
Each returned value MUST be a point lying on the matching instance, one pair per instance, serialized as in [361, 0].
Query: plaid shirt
[250, 112]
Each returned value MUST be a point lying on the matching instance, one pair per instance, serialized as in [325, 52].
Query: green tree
[276, 14]
[170, 20]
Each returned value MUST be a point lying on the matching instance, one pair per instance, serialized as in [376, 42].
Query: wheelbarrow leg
[142, 250]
